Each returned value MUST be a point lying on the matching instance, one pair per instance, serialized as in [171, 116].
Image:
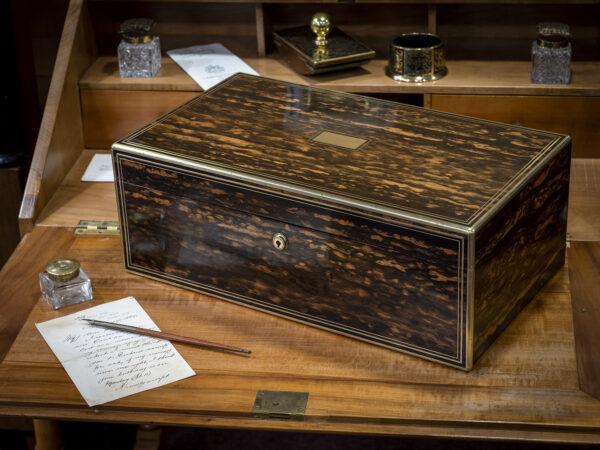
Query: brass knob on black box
[321, 26]
[280, 241]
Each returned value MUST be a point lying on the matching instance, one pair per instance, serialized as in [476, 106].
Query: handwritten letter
[107, 364]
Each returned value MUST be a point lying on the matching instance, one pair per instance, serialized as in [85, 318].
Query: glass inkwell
[139, 51]
[551, 54]
[64, 283]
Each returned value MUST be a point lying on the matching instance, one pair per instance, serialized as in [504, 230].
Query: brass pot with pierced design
[417, 57]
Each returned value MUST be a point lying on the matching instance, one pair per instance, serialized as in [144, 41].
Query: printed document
[107, 364]
[209, 64]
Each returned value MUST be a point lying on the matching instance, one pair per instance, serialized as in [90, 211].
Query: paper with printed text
[209, 64]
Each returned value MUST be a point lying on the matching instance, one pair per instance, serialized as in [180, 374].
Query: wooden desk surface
[525, 387]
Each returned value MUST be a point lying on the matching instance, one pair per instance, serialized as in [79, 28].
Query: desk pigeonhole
[416, 230]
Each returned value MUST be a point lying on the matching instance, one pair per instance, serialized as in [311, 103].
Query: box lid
[360, 152]
[298, 48]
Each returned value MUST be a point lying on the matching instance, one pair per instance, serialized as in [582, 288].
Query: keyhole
[280, 241]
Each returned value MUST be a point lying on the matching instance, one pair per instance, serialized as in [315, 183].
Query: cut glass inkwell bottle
[551, 54]
[139, 51]
[64, 283]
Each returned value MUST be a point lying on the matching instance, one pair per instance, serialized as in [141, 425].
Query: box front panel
[400, 287]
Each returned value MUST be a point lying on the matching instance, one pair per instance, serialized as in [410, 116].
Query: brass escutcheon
[280, 241]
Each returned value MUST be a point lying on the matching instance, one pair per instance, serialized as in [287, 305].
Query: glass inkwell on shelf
[551, 54]
[139, 51]
[64, 283]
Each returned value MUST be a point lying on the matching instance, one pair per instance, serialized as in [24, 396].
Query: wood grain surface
[20, 286]
[584, 200]
[464, 76]
[179, 24]
[111, 115]
[60, 138]
[209, 229]
[10, 196]
[520, 249]
[524, 388]
[400, 287]
[573, 116]
[76, 200]
[584, 277]
[431, 164]
[103, 74]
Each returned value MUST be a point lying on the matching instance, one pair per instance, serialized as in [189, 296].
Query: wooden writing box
[417, 230]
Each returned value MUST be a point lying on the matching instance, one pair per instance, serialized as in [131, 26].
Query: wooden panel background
[180, 24]
[111, 115]
[10, 198]
[584, 200]
[584, 278]
[506, 31]
[75, 200]
[373, 26]
[60, 137]
[19, 286]
[573, 116]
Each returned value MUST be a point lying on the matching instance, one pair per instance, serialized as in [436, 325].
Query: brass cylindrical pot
[417, 57]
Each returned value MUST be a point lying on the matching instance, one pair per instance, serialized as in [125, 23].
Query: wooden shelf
[76, 200]
[472, 77]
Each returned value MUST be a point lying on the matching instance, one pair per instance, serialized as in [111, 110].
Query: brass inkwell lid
[320, 47]
[64, 269]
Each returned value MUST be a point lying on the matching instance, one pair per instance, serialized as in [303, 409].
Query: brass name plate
[340, 140]
[280, 405]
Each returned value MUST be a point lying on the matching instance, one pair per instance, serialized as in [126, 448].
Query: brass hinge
[280, 405]
[568, 240]
[97, 227]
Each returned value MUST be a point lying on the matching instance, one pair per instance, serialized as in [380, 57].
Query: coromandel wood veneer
[416, 230]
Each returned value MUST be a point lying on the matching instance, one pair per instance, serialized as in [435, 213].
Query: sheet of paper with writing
[106, 364]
